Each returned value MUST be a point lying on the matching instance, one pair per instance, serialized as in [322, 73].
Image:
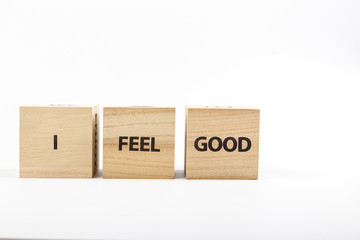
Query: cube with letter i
[222, 143]
[138, 142]
[59, 141]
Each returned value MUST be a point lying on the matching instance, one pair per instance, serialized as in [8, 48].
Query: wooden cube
[59, 141]
[138, 142]
[222, 143]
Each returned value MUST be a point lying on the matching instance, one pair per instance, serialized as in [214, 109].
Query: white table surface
[291, 204]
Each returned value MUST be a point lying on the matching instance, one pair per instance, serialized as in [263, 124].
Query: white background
[298, 61]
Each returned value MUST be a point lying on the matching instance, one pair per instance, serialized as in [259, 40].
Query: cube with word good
[222, 143]
[138, 142]
[59, 141]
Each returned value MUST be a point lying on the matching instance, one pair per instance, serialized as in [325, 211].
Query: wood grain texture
[142, 122]
[76, 146]
[223, 123]
[95, 139]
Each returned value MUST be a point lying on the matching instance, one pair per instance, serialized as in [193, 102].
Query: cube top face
[138, 142]
[58, 141]
[222, 143]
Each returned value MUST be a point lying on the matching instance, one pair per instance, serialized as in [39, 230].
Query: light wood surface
[146, 122]
[222, 123]
[74, 156]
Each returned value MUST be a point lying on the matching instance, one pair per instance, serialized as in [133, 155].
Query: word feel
[144, 144]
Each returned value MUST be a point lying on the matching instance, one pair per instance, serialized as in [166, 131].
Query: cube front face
[222, 143]
[138, 142]
[58, 142]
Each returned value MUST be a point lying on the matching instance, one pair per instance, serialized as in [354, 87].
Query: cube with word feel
[138, 142]
[222, 143]
[59, 141]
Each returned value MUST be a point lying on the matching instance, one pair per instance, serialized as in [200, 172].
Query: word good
[229, 144]
[134, 141]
